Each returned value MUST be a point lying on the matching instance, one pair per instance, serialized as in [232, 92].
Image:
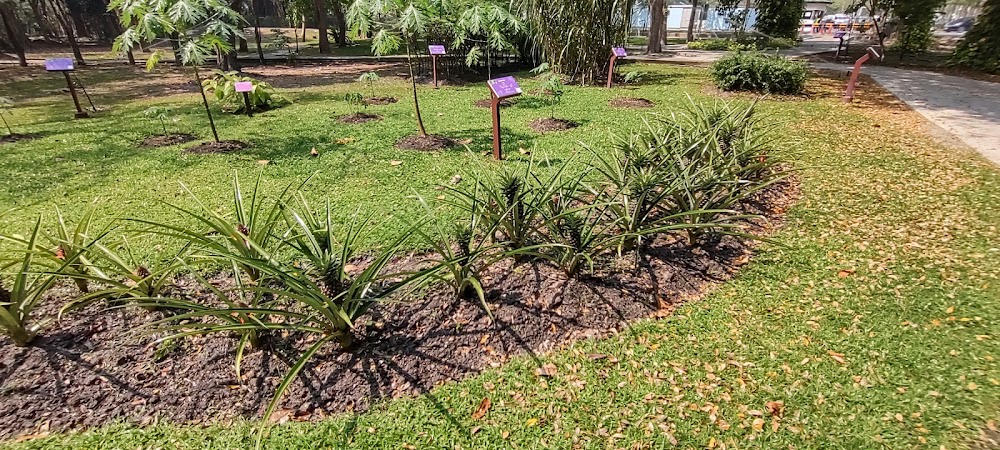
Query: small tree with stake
[553, 88]
[399, 23]
[201, 27]
[6, 104]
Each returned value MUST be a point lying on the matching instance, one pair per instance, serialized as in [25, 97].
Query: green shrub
[756, 72]
[223, 86]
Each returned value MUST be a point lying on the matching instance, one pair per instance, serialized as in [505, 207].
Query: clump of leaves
[541, 69]
[356, 100]
[6, 105]
[553, 89]
[223, 86]
[633, 77]
[280, 40]
[159, 113]
[369, 78]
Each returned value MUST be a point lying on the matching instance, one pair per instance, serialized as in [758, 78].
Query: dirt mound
[549, 124]
[217, 147]
[631, 102]
[381, 100]
[359, 118]
[166, 140]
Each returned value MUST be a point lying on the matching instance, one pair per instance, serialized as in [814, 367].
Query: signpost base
[434, 62]
[495, 108]
[611, 70]
[246, 104]
[80, 113]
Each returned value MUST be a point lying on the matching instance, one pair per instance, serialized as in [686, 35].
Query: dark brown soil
[488, 103]
[98, 366]
[217, 147]
[549, 124]
[381, 100]
[425, 143]
[631, 102]
[11, 138]
[165, 140]
[360, 118]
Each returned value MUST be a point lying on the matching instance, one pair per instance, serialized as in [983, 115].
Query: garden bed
[424, 143]
[357, 118]
[98, 366]
[546, 125]
[217, 147]
[631, 102]
[15, 137]
[166, 140]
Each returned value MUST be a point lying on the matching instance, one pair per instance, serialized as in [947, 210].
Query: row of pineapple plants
[292, 264]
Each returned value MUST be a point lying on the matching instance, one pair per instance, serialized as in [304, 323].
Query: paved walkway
[969, 109]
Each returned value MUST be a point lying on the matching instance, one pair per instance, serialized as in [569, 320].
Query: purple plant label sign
[437, 50]
[244, 86]
[505, 87]
[620, 52]
[58, 64]
[839, 34]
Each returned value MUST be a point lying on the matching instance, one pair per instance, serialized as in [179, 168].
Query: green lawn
[875, 322]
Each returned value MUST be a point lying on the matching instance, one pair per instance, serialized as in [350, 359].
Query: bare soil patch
[548, 124]
[357, 118]
[166, 140]
[425, 143]
[631, 102]
[16, 137]
[217, 147]
[99, 366]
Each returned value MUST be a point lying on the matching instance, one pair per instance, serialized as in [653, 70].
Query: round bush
[757, 72]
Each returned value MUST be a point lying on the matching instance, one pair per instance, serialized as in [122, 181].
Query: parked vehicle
[960, 25]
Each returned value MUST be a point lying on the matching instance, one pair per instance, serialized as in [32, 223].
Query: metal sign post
[435, 51]
[245, 87]
[500, 89]
[872, 53]
[617, 52]
[65, 65]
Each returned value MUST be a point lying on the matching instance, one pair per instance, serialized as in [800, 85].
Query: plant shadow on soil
[101, 365]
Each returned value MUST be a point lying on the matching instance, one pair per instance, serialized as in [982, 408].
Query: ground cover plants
[871, 325]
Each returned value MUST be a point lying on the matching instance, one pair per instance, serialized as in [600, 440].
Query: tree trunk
[204, 100]
[256, 30]
[43, 24]
[15, 32]
[691, 20]
[71, 37]
[176, 46]
[322, 24]
[303, 30]
[656, 19]
[413, 81]
[340, 22]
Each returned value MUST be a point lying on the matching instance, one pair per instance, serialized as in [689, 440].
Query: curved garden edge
[98, 367]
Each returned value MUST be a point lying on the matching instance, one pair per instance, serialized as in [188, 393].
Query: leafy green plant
[553, 89]
[159, 113]
[758, 72]
[579, 228]
[6, 105]
[542, 68]
[223, 86]
[72, 245]
[280, 40]
[633, 77]
[369, 78]
[356, 100]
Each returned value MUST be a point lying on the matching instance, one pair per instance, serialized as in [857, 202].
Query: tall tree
[779, 18]
[322, 23]
[201, 27]
[691, 21]
[15, 31]
[980, 49]
[656, 26]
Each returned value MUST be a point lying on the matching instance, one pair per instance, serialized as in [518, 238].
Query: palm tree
[399, 24]
[199, 26]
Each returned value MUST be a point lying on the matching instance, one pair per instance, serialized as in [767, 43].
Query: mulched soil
[488, 103]
[548, 124]
[359, 118]
[425, 143]
[631, 102]
[99, 366]
[11, 138]
[381, 100]
[165, 140]
[217, 147]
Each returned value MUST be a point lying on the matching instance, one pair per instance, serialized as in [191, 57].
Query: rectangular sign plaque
[619, 52]
[505, 87]
[58, 64]
[244, 86]
[437, 50]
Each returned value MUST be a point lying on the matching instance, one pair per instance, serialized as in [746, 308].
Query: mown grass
[875, 323]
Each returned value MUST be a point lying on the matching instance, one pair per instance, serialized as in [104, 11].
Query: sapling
[633, 77]
[357, 101]
[370, 78]
[554, 89]
[6, 104]
[158, 113]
